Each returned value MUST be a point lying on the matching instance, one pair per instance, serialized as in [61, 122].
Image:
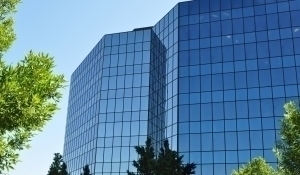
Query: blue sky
[68, 30]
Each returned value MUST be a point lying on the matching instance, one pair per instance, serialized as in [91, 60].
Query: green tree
[146, 163]
[7, 35]
[189, 169]
[167, 162]
[257, 166]
[287, 148]
[64, 170]
[58, 166]
[86, 170]
[29, 93]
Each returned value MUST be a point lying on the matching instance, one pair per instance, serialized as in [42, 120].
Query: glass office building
[211, 76]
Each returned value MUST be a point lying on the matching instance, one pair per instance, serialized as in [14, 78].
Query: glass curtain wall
[117, 104]
[210, 76]
[238, 64]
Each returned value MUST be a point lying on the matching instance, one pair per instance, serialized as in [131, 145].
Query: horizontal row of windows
[228, 141]
[233, 14]
[113, 133]
[205, 66]
[170, 39]
[126, 81]
[242, 51]
[106, 154]
[122, 59]
[112, 67]
[240, 25]
[238, 80]
[227, 15]
[123, 104]
[122, 129]
[202, 158]
[240, 94]
[250, 6]
[119, 142]
[237, 39]
[130, 48]
[239, 52]
[128, 37]
[232, 110]
[228, 125]
[123, 117]
[136, 69]
[220, 157]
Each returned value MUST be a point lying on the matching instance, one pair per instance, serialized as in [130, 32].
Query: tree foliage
[29, 92]
[7, 35]
[64, 169]
[86, 170]
[288, 147]
[58, 166]
[257, 166]
[167, 162]
[146, 163]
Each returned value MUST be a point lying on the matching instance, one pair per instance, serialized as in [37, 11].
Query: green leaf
[29, 93]
[257, 166]
[287, 148]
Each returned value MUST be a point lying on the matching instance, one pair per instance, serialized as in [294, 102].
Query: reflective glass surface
[108, 104]
[211, 76]
[123, 91]
[238, 65]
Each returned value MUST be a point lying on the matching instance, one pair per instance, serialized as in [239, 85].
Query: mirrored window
[123, 38]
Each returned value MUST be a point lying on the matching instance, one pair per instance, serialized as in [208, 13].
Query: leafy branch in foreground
[29, 92]
[29, 96]
[287, 148]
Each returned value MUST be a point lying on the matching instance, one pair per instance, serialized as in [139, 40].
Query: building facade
[211, 76]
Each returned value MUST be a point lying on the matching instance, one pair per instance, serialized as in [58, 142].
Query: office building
[211, 76]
